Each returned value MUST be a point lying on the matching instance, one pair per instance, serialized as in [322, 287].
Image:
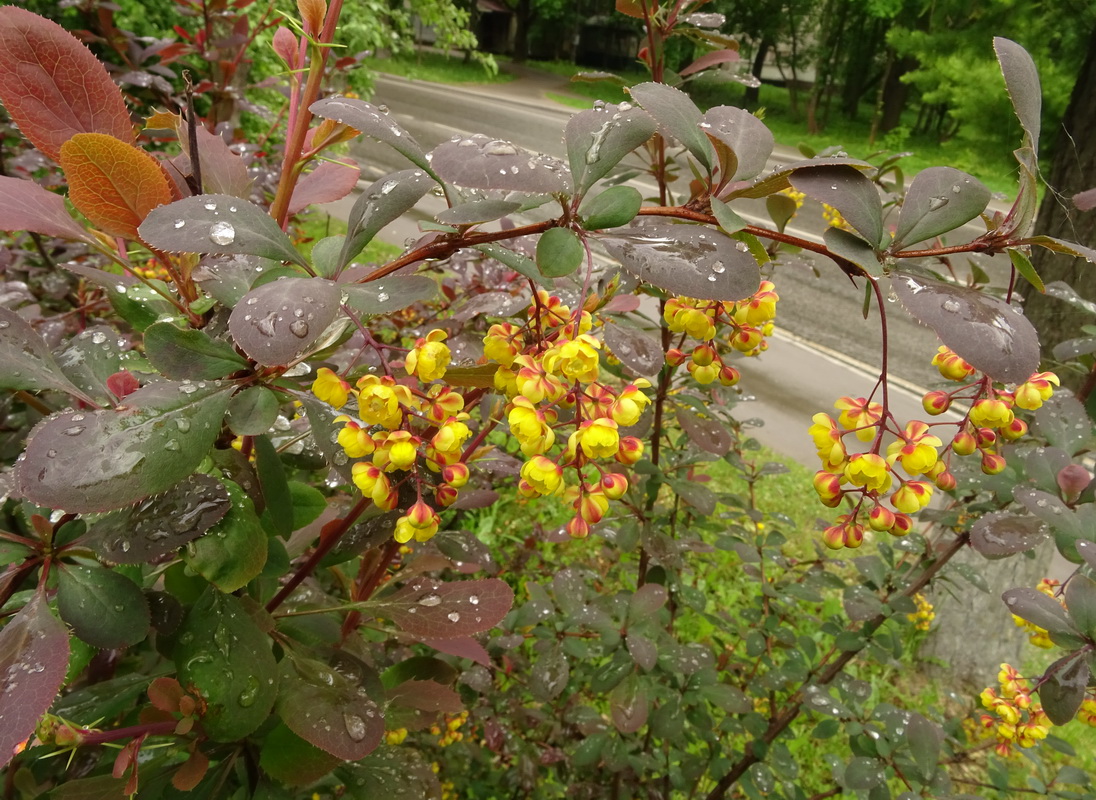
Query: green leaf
[34, 654]
[1024, 266]
[1063, 688]
[218, 223]
[678, 114]
[864, 773]
[252, 412]
[628, 705]
[939, 200]
[559, 252]
[1080, 595]
[104, 607]
[419, 668]
[382, 202]
[729, 221]
[550, 673]
[291, 760]
[221, 652]
[25, 360]
[233, 551]
[91, 357]
[781, 209]
[610, 209]
[523, 265]
[275, 488]
[308, 503]
[852, 247]
[190, 354]
[101, 460]
[923, 738]
[140, 305]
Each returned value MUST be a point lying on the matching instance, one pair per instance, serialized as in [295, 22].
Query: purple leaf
[598, 139]
[480, 162]
[372, 122]
[34, 654]
[678, 115]
[281, 320]
[744, 135]
[1002, 534]
[648, 599]
[26, 206]
[461, 647]
[383, 201]
[687, 260]
[637, 350]
[330, 181]
[389, 294]
[426, 696]
[435, 610]
[939, 200]
[708, 60]
[850, 192]
[708, 434]
[25, 360]
[1022, 82]
[780, 178]
[1085, 201]
[988, 333]
[328, 709]
[628, 705]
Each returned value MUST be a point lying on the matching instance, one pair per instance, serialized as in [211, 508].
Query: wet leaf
[93, 358]
[390, 294]
[1080, 594]
[849, 191]
[328, 182]
[26, 206]
[223, 171]
[612, 208]
[939, 200]
[218, 223]
[550, 673]
[279, 321]
[1063, 690]
[709, 60]
[647, 600]
[372, 122]
[232, 552]
[678, 115]
[1065, 423]
[687, 260]
[228, 278]
[780, 178]
[382, 202]
[852, 247]
[559, 252]
[1022, 83]
[428, 696]
[628, 705]
[1000, 533]
[781, 209]
[189, 354]
[480, 162]
[728, 220]
[1069, 248]
[329, 709]
[112, 183]
[988, 333]
[221, 653]
[642, 650]
[698, 496]
[864, 773]
[25, 360]
[523, 265]
[391, 772]
[924, 738]
[477, 211]
[105, 608]
[161, 524]
[639, 351]
[252, 412]
[291, 760]
[861, 603]
[53, 87]
[101, 460]
[34, 654]
[708, 434]
[747, 137]
[436, 610]
[597, 140]
[1037, 608]
[1024, 266]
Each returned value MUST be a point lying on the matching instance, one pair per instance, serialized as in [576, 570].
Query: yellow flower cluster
[748, 322]
[552, 364]
[924, 615]
[1087, 712]
[402, 430]
[1038, 636]
[866, 479]
[830, 214]
[1015, 718]
[449, 731]
[397, 736]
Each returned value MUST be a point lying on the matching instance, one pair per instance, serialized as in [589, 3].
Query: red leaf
[112, 183]
[435, 610]
[34, 653]
[426, 696]
[223, 172]
[165, 694]
[634, 8]
[52, 85]
[461, 647]
[710, 60]
[191, 773]
[122, 383]
[285, 45]
[26, 206]
[327, 183]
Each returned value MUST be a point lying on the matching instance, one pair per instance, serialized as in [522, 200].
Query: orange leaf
[634, 8]
[112, 183]
[312, 14]
[53, 86]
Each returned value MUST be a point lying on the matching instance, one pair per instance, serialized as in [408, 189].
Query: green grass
[316, 225]
[438, 68]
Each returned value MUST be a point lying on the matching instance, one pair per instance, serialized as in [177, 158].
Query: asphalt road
[826, 347]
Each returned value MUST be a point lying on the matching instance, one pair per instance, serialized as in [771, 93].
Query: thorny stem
[162, 728]
[782, 720]
[327, 541]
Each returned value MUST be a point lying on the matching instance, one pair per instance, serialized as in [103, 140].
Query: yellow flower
[599, 438]
[912, 497]
[330, 388]
[917, 450]
[827, 440]
[1031, 394]
[399, 451]
[419, 523]
[869, 470]
[576, 359]
[991, 413]
[630, 404]
[429, 358]
[543, 475]
[950, 365]
[530, 427]
[373, 483]
[855, 414]
[354, 439]
[378, 402]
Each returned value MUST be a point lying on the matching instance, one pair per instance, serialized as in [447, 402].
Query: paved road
[828, 349]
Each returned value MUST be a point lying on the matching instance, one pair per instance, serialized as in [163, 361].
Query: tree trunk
[895, 94]
[753, 93]
[522, 17]
[1073, 169]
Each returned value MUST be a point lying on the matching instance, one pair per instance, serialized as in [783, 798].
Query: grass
[316, 225]
[437, 68]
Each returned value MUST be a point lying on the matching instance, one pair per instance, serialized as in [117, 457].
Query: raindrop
[211, 206]
[500, 148]
[430, 600]
[712, 279]
[250, 693]
[51, 454]
[183, 424]
[98, 337]
[936, 203]
[473, 599]
[388, 186]
[453, 616]
[955, 188]
[718, 267]
[222, 233]
[171, 444]
[382, 297]
[355, 726]
[299, 328]
[952, 305]
[74, 430]
[180, 223]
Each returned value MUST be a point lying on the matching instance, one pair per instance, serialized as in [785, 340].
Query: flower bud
[903, 524]
[577, 528]
[446, 495]
[455, 474]
[881, 519]
[1072, 480]
[1014, 430]
[964, 443]
[992, 464]
[631, 450]
[936, 402]
[614, 485]
[946, 482]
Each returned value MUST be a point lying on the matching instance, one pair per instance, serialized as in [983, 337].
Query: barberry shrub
[266, 532]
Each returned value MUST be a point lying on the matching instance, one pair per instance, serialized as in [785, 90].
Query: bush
[300, 526]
